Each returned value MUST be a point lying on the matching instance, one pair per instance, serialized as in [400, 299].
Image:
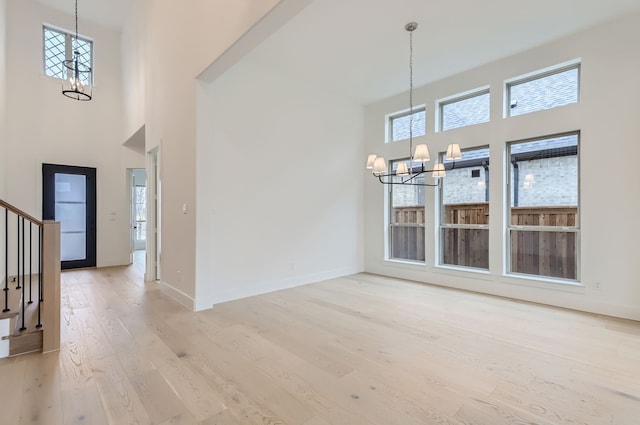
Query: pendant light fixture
[415, 167]
[78, 85]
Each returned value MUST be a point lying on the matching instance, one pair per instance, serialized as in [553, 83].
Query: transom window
[58, 47]
[463, 110]
[544, 206]
[398, 124]
[544, 90]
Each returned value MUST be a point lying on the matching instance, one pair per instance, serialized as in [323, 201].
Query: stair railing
[37, 246]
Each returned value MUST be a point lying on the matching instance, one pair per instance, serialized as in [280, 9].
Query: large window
[58, 47]
[544, 206]
[463, 110]
[399, 124]
[464, 210]
[406, 219]
[544, 90]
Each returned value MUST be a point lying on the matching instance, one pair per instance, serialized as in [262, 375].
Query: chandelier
[78, 84]
[409, 172]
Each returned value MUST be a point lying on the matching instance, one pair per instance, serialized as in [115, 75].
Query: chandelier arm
[413, 176]
[405, 182]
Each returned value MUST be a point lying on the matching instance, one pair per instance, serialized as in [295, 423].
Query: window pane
[544, 193]
[544, 182]
[400, 125]
[464, 238]
[70, 211]
[407, 243]
[542, 253]
[468, 111]
[465, 189]
[406, 228]
[83, 47]
[465, 247]
[544, 93]
[73, 246]
[54, 53]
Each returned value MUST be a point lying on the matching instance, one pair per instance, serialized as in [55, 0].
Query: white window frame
[536, 75]
[509, 227]
[390, 222]
[442, 216]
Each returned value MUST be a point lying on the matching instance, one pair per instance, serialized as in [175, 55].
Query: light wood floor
[357, 350]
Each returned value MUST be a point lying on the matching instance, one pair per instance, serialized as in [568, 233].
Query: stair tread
[22, 334]
[9, 314]
[15, 303]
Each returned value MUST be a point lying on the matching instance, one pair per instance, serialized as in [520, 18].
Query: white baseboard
[274, 285]
[177, 295]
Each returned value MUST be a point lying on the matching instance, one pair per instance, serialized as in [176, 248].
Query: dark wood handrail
[20, 213]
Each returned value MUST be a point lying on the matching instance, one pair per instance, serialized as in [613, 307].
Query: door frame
[153, 269]
[48, 208]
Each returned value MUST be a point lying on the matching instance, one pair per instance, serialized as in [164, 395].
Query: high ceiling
[111, 13]
[360, 49]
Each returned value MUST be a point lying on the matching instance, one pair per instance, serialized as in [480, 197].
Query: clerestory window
[59, 46]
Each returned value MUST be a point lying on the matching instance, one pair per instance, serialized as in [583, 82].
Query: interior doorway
[138, 178]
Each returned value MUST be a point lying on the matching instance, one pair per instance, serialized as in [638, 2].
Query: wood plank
[12, 382]
[81, 402]
[41, 402]
[121, 403]
[159, 399]
[489, 412]
[225, 418]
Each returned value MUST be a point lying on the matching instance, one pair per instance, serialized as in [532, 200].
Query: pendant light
[415, 167]
[79, 84]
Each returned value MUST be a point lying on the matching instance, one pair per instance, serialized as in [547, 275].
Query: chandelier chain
[410, 98]
[76, 40]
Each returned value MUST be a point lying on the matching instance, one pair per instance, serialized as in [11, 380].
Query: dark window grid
[55, 52]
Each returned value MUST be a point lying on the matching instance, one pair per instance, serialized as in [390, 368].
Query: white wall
[45, 126]
[180, 43]
[279, 184]
[134, 55]
[607, 116]
[3, 95]
[3, 136]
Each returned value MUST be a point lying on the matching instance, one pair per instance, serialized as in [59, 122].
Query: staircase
[22, 332]
[30, 283]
